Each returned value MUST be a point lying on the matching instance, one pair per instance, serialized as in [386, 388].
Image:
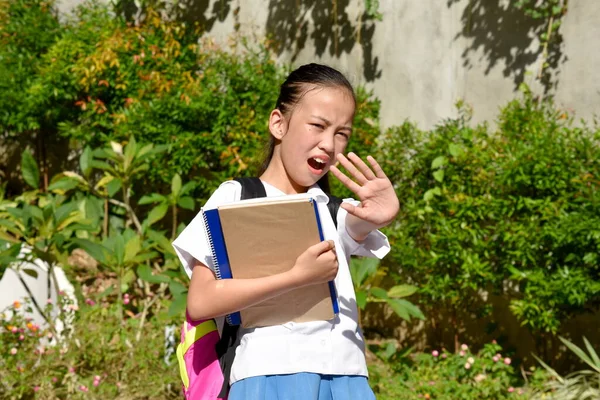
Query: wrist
[357, 228]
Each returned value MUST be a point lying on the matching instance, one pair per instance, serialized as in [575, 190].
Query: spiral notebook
[261, 237]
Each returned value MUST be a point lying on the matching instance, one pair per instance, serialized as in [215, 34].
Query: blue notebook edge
[332, 290]
[216, 240]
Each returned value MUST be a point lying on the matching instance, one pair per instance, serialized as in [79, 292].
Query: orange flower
[16, 304]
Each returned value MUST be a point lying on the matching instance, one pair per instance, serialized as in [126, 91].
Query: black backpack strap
[334, 206]
[252, 188]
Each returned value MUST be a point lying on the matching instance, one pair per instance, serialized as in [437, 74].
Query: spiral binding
[213, 254]
[212, 247]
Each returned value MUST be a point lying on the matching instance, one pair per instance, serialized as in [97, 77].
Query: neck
[276, 175]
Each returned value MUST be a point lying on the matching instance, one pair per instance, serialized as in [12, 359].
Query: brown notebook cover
[265, 238]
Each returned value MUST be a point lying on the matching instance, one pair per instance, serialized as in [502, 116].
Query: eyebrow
[329, 122]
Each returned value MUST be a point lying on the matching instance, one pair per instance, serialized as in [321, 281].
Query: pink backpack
[199, 366]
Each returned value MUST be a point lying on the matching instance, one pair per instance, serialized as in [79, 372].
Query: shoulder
[227, 192]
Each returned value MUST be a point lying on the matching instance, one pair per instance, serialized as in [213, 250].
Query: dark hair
[294, 88]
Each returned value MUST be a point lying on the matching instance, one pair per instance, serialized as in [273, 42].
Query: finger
[377, 168]
[323, 247]
[349, 183]
[362, 166]
[351, 168]
[358, 212]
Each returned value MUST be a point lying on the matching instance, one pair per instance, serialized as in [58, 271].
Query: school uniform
[309, 360]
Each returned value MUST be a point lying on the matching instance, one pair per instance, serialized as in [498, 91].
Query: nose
[327, 143]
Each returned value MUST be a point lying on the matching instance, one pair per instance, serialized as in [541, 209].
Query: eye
[344, 134]
[318, 126]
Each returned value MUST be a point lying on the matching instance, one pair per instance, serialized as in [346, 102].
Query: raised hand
[379, 204]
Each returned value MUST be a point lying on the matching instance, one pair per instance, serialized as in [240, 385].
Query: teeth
[319, 160]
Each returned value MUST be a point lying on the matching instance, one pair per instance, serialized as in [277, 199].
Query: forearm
[217, 298]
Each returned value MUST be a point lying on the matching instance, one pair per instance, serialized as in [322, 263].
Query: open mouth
[317, 164]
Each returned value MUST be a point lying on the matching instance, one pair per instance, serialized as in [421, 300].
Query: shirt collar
[318, 193]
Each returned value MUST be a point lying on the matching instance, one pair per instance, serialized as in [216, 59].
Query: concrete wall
[424, 55]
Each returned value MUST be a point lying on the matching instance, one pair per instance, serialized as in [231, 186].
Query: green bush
[98, 358]
[488, 374]
[513, 212]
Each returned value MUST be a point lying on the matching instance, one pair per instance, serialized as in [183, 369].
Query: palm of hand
[378, 201]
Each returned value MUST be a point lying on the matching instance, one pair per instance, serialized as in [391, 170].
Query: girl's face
[312, 134]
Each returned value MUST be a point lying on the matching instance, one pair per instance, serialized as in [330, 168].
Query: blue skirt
[302, 386]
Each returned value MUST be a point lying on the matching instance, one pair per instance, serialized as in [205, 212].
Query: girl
[310, 128]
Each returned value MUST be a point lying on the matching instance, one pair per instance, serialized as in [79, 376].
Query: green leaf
[102, 165]
[153, 198]
[362, 268]
[113, 187]
[439, 175]
[379, 293]
[438, 162]
[132, 248]
[580, 353]
[592, 352]
[188, 187]
[130, 152]
[119, 249]
[176, 185]
[30, 170]
[96, 250]
[156, 214]
[85, 161]
[186, 203]
[403, 306]
[31, 272]
[361, 299]
[178, 305]
[432, 192]
[402, 291]
[145, 273]
[176, 288]
[161, 240]
[455, 149]
[63, 184]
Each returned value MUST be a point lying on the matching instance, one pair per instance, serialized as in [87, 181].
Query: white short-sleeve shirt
[334, 347]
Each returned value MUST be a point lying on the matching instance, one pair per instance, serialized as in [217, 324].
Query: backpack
[205, 357]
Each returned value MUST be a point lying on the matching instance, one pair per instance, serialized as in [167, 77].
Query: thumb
[322, 247]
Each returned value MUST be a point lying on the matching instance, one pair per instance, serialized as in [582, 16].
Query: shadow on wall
[333, 31]
[506, 35]
[189, 11]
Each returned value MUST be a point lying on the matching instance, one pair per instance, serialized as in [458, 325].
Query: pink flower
[507, 361]
[21, 337]
[467, 366]
[61, 293]
[73, 307]
[71, 370]
[90, 302]
[96, 383]
[435, 353]
[444, 355]
[83, 388]
[14, 329]
[462, 353]
[125, 301]
[464, 347]
[511, 389]
[496, 358]
[494, 341]
[36, 388]
[54, 379]
[13, 351]
[49, 301]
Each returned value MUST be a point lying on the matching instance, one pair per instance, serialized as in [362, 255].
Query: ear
[277, 124]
